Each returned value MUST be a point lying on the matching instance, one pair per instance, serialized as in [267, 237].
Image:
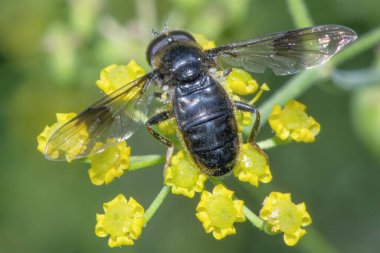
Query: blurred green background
[51, 52]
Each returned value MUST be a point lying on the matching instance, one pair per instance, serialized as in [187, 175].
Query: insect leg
[155, 120]
[256, 126]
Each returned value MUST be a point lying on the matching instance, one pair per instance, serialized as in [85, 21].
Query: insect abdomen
[206, 120]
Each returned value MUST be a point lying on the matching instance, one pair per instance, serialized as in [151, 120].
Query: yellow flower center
[293, 118]
[118, 219]
[106, 159]
[252, 165]
[185, 174]
[288, 216]
[253, 161]
[221, 211]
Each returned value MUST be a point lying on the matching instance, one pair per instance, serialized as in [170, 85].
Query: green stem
[139, 162]
[271, 143]
[147, 12]
[315, 242]
[156, 203]
[253, 218]
[300, 14]
[302, 82]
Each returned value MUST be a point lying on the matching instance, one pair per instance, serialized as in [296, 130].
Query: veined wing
[110, 120]
[286, 52]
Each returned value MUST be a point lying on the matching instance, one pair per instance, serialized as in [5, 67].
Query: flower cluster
[218, 210]
[293, 122]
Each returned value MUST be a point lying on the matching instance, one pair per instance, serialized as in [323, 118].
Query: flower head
[252, 165]
[285, 216]
[293, 122]
[218, 212]
[115, 76]
[183, 176]
[241, 82]
[122, 220]
[110, 163]
[70, 148]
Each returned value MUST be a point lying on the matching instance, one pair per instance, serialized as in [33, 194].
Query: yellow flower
[110, 163]
[122, 220]
[293, 122]
[183, 176]
[285, 216]
[205, 43]
[71, 148]
[218, 212]
[115, 76]
[252, 165]
[241, 82]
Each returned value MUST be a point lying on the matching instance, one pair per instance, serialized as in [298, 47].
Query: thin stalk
[315, 242]
[253, 218]
[147, 12]
[156, 203]
[300, 13]
[272, 143]
[139, 162]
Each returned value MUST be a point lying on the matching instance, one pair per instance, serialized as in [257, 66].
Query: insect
[203, 112]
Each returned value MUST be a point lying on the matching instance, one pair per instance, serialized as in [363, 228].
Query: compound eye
[163, 40]
[180, 35]
[154, 47]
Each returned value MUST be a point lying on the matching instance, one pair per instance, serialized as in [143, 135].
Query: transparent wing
[286, 52]
[110, 120]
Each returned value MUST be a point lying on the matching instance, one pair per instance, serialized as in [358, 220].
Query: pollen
[218, 212]
[122, 220]
[252, 165]
[293, 122]
[183, 176]
[285, 216]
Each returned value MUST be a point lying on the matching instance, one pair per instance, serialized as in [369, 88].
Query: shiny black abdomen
[206, 119]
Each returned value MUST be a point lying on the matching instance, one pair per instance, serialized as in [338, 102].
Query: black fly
[202, 110]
